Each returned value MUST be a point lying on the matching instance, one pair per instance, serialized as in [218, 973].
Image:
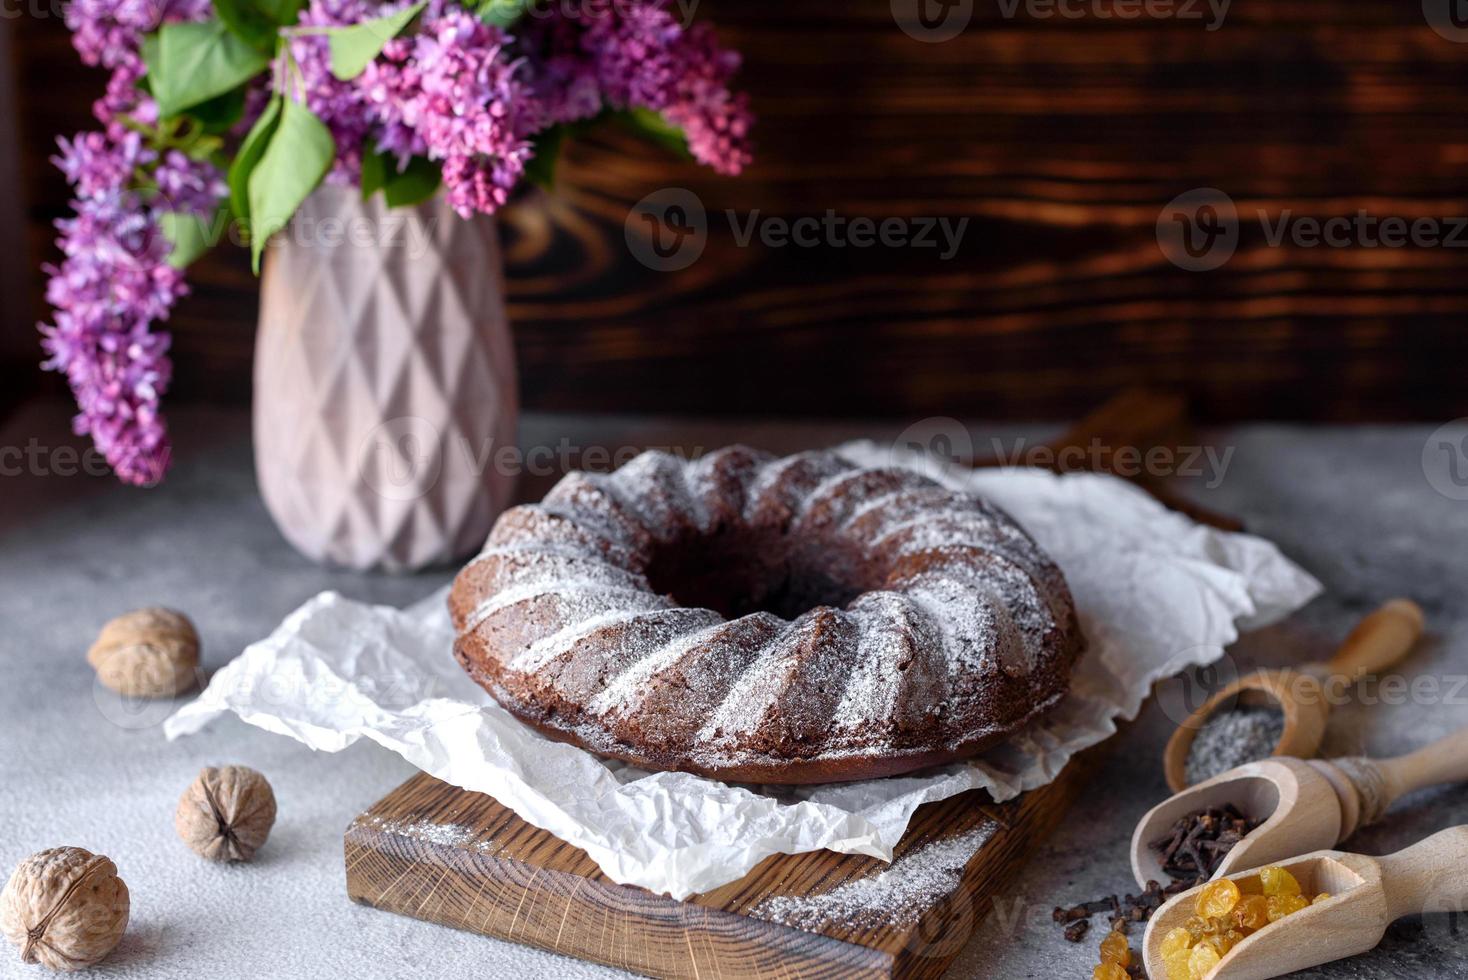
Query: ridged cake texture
[792, 620]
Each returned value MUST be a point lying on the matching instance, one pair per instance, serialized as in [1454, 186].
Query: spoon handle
[1426, 875]
[1381, 782]
[1444, 761]
[1379, 641]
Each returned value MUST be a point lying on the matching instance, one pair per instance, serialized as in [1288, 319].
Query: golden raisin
[1251, 913]
[1114, 949]
[1217, 898]
[1283, 905]
[1278, 881]
[1197, 927]
[1177, 965]
[1109, 971]
[1202, 958]
[1251, 886]
[1175, 941]
[1322, 897]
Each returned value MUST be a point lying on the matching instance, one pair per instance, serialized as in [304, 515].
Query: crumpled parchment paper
[1156, 593]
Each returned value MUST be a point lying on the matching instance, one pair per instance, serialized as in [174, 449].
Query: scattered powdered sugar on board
[446, 834]
[895, 896]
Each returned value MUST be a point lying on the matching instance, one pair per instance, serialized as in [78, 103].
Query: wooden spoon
[1302, 695]
[1367, 895]
[1310, 805]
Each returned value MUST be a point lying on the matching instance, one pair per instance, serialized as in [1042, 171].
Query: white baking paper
[1156, 593]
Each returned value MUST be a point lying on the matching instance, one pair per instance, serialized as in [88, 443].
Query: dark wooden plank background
[1060, 139]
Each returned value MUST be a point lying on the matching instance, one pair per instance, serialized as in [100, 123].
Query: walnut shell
[65, 908]
[226, 814]
[148, 653]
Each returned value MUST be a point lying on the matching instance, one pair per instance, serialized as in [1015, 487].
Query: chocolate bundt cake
[793, 620]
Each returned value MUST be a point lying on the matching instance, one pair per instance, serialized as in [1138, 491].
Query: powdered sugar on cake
[933, 622]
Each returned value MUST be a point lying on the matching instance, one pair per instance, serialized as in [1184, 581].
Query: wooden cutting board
[436, 852]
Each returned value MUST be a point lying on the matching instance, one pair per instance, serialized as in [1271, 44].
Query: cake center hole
[736, 573]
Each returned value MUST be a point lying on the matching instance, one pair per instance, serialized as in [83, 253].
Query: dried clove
[1190, 853]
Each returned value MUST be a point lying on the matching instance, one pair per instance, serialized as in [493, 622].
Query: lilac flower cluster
[453, 89]
[638, 56]
[472, 96]
[453, 93]
[110, 33]
[339, 104]
[114, 280]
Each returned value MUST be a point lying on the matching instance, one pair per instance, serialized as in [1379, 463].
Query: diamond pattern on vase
[384, 383]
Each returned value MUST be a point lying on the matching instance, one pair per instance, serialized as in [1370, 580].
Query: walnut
[65, 908]
[149, 653]
[226, 814]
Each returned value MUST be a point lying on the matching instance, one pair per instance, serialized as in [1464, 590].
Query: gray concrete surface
[1353, 506]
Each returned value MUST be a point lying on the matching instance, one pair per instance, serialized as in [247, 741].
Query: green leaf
[248, 157]
[283, 12]
[375, 168]
[501, 13]
[190, 235]
[193, 63]
[248, 22]
[299, 153]
[221, 113]
[546, 146]
[354, 47]
[414, 184]
[152, 59]
[652, 127]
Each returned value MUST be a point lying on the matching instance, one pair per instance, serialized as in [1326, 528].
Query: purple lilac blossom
[454, 89]
[342, 106]
[114, 280]
[645, 59]
[110, 33]
[455, 93]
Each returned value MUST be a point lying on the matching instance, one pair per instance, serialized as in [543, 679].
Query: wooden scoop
[1367, 895]
[1305, 806]
[1379, 641]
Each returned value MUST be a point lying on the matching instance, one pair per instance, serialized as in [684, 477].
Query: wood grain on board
[1058, 138]
[436, 852]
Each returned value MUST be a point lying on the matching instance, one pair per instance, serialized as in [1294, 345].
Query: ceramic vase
[385, 398]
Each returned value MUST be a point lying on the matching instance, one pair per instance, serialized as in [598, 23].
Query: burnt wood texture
[436, 852]
[1060, 132]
